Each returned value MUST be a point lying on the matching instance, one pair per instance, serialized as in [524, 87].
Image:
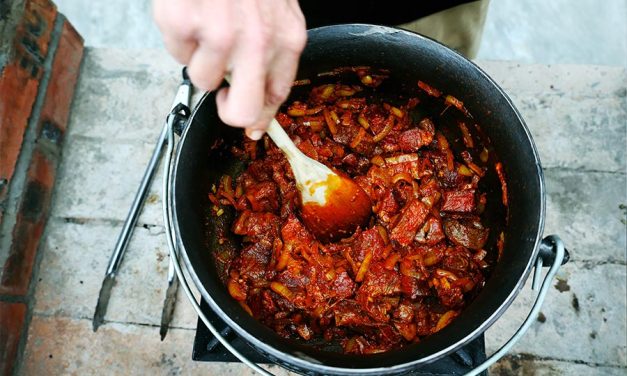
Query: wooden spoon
[332, 205]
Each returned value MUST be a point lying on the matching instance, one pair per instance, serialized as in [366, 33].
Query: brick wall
[40, 56]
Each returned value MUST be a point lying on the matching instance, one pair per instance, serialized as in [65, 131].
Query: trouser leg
[460, 27]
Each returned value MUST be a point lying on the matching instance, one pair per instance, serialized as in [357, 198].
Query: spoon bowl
[333, 206]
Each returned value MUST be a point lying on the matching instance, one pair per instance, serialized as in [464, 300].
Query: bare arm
[258, 42]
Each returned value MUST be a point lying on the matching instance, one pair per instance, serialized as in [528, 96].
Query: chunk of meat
[414, 288]
[404, 312]
[458, 201]
[368, 241]
[376, 117]
[387, 207]
[413, 139]
[431, 232]
[256, 225]
[295, 235]
[407, 330]
[263, 197]
[349, 313]
[450, 296]
[252, 261]
[469, 234]
[412, 216]
[379, 283]
[412, 164]
[327, 282]
[343, 286]
[424, 319]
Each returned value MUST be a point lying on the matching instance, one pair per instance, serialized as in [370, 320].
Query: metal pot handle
[551, 251]
[174, 120]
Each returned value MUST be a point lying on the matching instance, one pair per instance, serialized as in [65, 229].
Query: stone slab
[521, 365]
[121, 99]
[583, 317]
[61, 346]
[99, 179]
[116, 23]
[586, 133]
[578, 81]
[559, 31]
[69, 288]
[75, 258]
[577, 114]
[584, 210]
[125, 96]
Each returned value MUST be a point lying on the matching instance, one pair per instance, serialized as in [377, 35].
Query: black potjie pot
[409, 57]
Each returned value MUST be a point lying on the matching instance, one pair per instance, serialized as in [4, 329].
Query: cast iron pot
[410, 57]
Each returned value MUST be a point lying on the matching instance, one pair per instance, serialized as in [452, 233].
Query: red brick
[65, 70]
[12, 317]
[29, 226]
[35, 201]
[36, 26]
[19, 83]
[15, 109]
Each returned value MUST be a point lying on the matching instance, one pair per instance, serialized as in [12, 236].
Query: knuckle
[197, 78]
[220, 41]
[296, 41]
[201, 77]
[277, 94]
[237, 119]
[259, 41]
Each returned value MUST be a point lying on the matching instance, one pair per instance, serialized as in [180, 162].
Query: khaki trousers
[459, 28]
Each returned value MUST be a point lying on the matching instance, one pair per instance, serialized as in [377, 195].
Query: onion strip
[389, 124]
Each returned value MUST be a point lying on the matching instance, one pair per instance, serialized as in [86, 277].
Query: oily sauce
[347, 207]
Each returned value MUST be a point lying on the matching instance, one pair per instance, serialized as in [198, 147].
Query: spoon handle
[310, 174]
[283, 141]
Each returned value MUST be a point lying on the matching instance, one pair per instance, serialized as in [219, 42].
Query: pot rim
[314, 365]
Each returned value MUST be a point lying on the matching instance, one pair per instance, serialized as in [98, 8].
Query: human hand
[257, 42]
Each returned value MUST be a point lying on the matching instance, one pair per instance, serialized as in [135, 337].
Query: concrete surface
[113, 23]
[578, 117]
[556, 32]
[530, 31]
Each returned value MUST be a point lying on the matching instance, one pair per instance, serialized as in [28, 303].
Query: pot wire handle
[558, 247]
[173, 119]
